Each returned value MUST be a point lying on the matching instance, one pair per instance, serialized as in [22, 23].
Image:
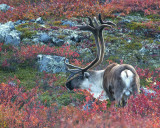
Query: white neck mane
[95, 85]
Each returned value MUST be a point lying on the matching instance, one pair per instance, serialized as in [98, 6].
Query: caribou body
[116, 82]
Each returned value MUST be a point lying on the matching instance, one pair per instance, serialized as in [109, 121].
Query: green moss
[61, 36]
[114, 58]
[158, 28]
[27, 76]
[26, 32]
[136, 26]
[52, 22]
[67, 98]
[29, 25]
[154, 17]
[137, 13]
[27, 29]
[61, 79]
[133, 46]
[7, 47]
[47, 99]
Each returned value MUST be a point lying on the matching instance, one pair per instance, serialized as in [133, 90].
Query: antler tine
[90, 22]
[86, 28]
[92, 64]
[107, 22]
[72, 71]
[101, 42]
[72, 66]
[95, 20]
[103, 25]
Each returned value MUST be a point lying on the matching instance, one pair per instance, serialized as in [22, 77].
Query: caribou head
[115, 82]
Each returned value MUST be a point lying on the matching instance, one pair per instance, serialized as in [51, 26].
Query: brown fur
[112, 83]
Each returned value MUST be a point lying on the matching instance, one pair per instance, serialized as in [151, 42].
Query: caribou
[117, 82]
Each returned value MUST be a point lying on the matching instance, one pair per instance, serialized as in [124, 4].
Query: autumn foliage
[22, 108]
[31, 9]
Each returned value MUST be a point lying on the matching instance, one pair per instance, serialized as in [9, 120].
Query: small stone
[69, 23]
[4, 7]
[45, 38]
[39, 20]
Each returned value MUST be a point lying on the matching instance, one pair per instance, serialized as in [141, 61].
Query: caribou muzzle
[69, 85]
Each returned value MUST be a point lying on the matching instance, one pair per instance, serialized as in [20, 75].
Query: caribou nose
[69, 85]
[127, 93]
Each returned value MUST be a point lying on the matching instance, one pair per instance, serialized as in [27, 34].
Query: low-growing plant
[133, 46]
[25, 30]
[136, 26]
[61, 36]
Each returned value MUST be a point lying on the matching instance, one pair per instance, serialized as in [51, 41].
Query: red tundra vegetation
[30, 9]
[22, 108]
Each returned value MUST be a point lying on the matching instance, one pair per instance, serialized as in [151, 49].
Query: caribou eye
[86, 75]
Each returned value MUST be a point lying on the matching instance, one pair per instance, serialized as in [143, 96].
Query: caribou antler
[101, 36]
[97, 32]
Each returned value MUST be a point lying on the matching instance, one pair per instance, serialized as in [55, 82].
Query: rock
[39, 20]
[35, 40]
[32, 20]
[20, 22]
[75, 37]
[124, 22]
[136, 18]
[10, 24]
[53, 64]
[8, 34]
[69, 23]
[143, 51]
[147, 91]
[69, 42]
[58, 42]
[13, 38]
[72, 35]
[45, 38]
[4, 7]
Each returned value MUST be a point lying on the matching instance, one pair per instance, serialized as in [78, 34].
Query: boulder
[58, 42]
[147, 91]
[52, 64]
[13, 38]
[68, 23]
[44, 37]
[4, 7]
[8, 34]
[20, 22]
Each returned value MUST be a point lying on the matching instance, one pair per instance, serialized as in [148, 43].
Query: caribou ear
[86, 75]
